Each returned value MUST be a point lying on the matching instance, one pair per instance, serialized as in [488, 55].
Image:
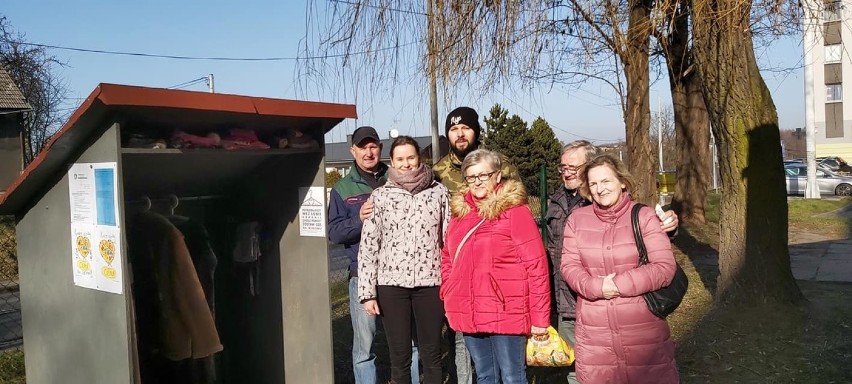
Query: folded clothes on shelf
[243, 139]
[181, 139]
[298, 140]
[141, 141]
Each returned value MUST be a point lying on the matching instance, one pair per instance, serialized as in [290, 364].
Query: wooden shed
[249, 170]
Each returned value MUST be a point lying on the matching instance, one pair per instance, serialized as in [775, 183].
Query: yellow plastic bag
[552, 352]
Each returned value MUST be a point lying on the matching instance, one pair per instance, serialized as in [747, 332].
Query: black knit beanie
[466, 116]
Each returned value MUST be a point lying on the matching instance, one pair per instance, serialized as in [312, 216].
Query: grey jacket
[560, 207]
[401, 242]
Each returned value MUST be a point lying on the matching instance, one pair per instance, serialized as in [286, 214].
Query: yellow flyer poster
[108, 274]
[82, 238]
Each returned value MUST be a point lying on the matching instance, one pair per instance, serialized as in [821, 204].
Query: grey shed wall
[73, 335]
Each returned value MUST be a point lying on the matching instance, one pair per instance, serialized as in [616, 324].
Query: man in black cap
[349, 205]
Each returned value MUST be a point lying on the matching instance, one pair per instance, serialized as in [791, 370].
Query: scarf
[612, 213]
[414, 180]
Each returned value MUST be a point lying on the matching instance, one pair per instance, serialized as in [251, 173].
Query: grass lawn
[12, 367]
[764, 343]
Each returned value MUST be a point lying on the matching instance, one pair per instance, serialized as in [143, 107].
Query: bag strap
[637, 234]
[464, 239]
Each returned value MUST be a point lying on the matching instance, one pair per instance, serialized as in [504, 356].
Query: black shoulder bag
[665, 300]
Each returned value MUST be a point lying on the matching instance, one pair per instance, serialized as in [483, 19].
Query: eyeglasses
[570, 168]
[483, 177]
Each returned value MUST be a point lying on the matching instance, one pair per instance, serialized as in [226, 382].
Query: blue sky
[259, 29]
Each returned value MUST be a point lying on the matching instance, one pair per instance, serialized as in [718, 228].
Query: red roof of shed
[159, 106]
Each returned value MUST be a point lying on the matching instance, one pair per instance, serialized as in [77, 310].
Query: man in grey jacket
[562, 203]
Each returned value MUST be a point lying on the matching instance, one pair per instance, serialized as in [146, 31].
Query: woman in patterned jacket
[399, 261]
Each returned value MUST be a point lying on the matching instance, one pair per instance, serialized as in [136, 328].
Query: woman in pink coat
[495, 282]
[618, 339]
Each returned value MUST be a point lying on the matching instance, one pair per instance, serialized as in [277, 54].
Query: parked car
[829, 182]
[834, 163]
[822, 164]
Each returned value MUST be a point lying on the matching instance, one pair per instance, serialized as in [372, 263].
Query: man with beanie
[463, 130]
[349, 205]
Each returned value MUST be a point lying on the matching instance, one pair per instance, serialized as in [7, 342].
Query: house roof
[189, 110]
[10, 95]
[336, 153]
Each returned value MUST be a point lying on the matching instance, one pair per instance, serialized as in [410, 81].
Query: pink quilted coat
[618, 340]
[499, 283]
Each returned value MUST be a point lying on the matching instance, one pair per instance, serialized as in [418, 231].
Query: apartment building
[827, 62]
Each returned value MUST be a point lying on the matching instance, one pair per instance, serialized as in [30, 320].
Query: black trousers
[397, 304]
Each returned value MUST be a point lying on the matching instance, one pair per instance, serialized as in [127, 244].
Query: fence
[11, 331]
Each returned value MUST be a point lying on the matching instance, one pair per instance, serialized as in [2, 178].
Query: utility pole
[660, 132]
[433, 81]
[210, 83]
[812, 31]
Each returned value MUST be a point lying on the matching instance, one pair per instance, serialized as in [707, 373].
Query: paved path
[820, 258]
[813, 256]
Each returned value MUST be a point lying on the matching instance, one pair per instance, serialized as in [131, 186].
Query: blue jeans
[363, 334]
[498, 356]
[566, 332]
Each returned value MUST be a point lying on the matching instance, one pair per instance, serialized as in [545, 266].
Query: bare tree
[607, 41]
[794, 143]
[490, 43]
[691, 121]
[754, 263]
[375, 45]
[33, 71]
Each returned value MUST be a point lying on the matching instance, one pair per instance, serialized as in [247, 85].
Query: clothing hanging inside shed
[176, 330]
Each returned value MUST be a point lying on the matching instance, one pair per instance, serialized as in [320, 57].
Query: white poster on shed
[312, 211]
[95, 228]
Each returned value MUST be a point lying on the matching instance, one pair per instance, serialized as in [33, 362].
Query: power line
[378, 7]
[511, 100]
[211, 58]
[188, 83]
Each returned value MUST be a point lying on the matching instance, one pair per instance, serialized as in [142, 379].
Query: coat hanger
[174, 203]
[147, 201]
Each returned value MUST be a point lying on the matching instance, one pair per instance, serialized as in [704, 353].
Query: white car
[829, 183]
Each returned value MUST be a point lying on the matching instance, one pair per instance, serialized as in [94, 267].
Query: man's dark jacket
[560, 207]
[345, 201]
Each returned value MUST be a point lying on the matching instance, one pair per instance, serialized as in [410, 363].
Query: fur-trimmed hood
[510, 193]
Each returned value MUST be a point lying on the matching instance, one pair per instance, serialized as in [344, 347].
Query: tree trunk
[637, 117]
[692, 124]
[754, 263]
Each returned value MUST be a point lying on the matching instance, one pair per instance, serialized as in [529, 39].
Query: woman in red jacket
[618, 339]
[494, 271]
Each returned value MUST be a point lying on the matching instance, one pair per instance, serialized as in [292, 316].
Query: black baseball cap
[363, 133]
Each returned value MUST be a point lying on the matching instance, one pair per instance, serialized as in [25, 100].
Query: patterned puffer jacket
[401, 242]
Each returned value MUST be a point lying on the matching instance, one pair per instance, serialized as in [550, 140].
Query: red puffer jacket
[618, 340]
[499, 282]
